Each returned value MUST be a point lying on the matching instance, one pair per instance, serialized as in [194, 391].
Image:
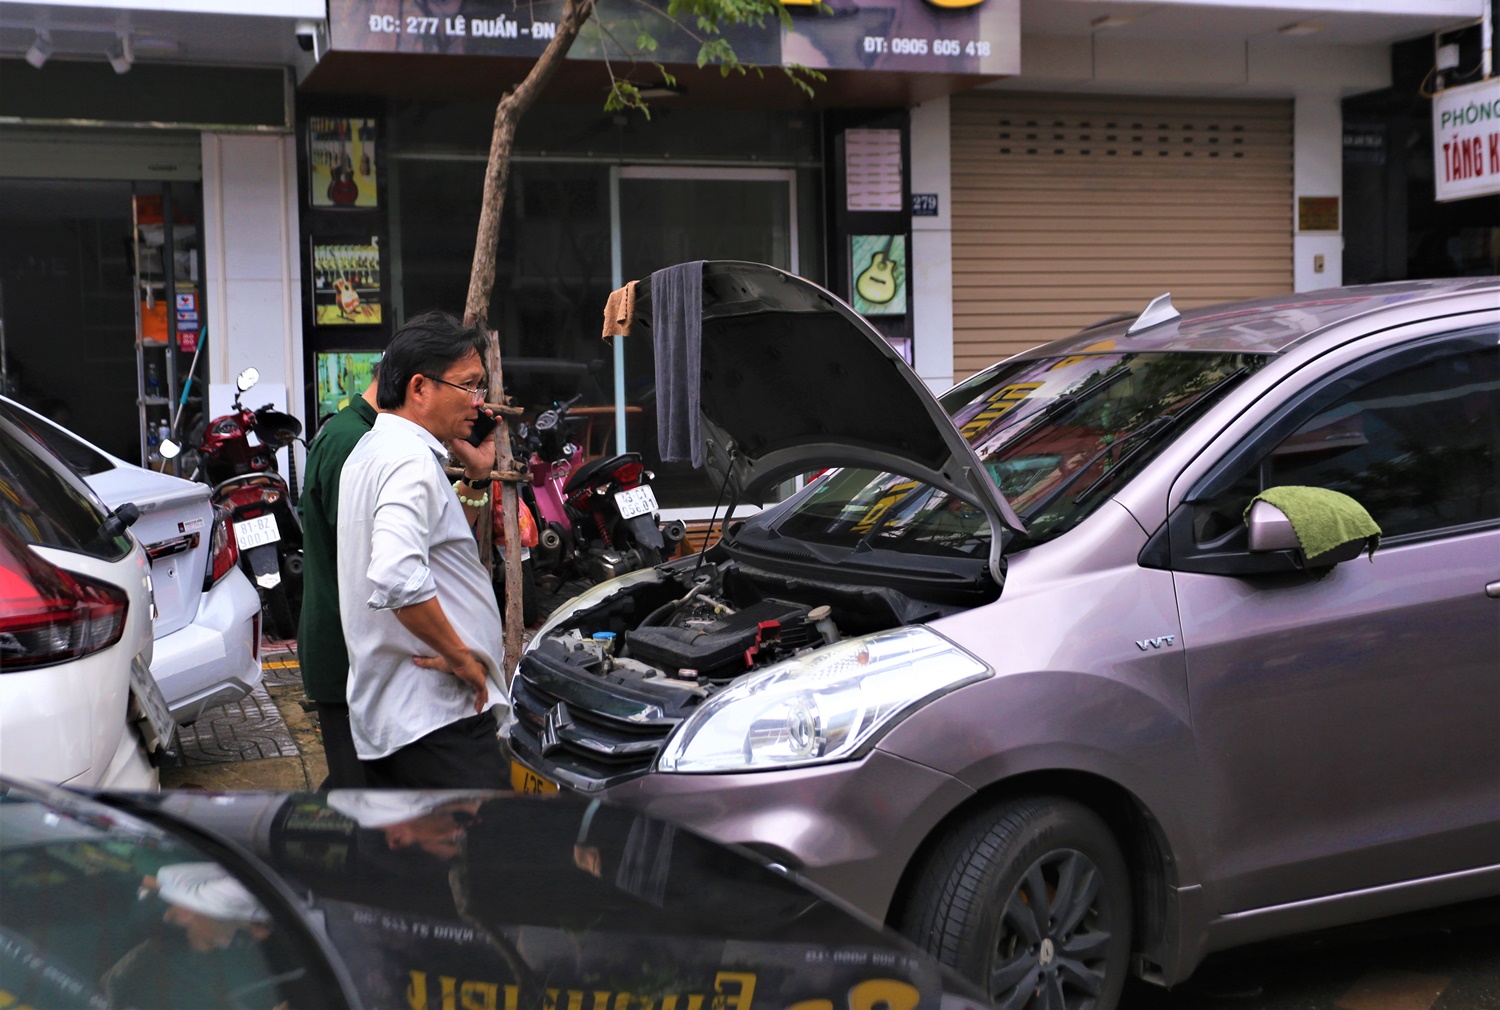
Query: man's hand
[427, 621]
[478, 460]
[466, 668]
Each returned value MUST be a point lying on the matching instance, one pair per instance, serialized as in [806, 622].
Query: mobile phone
[483, 425]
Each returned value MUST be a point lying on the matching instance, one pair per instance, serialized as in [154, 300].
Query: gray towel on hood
[677, 320]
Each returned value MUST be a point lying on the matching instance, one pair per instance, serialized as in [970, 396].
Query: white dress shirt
[403, 539]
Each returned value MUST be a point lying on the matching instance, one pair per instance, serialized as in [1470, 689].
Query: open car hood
[794, 381]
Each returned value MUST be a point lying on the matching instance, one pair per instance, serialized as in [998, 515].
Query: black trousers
[461, 755]
[345, 771]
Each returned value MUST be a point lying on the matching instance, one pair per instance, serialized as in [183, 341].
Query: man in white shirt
[419, 614]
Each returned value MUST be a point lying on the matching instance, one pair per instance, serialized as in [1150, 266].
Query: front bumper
[852, 827]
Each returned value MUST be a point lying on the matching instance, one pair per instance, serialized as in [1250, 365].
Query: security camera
[307, 35]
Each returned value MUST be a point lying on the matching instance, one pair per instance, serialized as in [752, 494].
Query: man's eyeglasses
[476, 393]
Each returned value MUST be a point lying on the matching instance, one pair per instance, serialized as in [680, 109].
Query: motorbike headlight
[591, 598]
[821, 707]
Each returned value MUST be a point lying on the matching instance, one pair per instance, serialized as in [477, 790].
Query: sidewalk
[265, 741]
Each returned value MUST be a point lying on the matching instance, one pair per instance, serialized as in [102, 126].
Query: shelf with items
[167, 314]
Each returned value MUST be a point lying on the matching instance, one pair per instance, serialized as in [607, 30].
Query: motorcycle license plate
[250, 533]
[635, 502]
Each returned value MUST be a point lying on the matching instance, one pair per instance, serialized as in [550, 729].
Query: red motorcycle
[262, 504]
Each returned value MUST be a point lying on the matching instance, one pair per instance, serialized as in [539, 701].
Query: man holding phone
[419, 615]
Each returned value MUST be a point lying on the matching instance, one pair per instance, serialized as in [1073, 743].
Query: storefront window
[584, 186]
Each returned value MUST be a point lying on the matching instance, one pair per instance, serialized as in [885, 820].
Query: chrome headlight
[821, 707]
[592, 598]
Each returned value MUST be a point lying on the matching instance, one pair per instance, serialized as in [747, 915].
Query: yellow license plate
[523, 780]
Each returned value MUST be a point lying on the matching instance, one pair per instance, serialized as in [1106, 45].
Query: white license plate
[150, 706]
[635, 502]
[250, 533]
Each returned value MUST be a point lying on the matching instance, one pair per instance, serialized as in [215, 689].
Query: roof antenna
[1159, 311]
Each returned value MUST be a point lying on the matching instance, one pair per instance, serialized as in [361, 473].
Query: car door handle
[1493, 590]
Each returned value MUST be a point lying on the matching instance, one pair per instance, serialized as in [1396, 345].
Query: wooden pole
[477, 305]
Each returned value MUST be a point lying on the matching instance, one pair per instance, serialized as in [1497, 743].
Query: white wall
[932, 246]
[1318, 138]
[253, 284]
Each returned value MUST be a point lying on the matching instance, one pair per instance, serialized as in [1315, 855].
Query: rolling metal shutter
[1071, 208]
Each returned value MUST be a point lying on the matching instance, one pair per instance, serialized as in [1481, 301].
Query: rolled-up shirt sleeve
[405, 512]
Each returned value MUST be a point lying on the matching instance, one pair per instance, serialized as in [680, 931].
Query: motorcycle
[262, 504]
[595, 522]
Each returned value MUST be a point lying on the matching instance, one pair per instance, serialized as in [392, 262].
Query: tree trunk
[481, 285]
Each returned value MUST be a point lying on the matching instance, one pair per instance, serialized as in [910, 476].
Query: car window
[1418, 445]
[46, 505]
[1057, 435]
[82, 458]
[98, 909]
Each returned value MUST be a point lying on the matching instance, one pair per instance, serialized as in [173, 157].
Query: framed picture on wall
[343, 170]
[346, 288]
[878, 265]
[341, 376]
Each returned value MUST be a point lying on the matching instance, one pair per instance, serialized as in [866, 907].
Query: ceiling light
[1110, 21]
[40, 51]
[1301, 28]
[119, 54]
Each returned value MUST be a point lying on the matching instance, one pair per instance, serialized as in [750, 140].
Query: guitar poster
[341, 161]
[878, 266]
[346, 282]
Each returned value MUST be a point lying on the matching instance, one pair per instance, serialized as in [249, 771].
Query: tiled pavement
[263, 741]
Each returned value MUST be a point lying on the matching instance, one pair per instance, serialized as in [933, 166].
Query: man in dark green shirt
[321, 652]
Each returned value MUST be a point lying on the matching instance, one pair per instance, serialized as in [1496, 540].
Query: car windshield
[1058, 435]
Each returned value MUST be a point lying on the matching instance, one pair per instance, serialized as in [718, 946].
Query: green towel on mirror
[1322, 519]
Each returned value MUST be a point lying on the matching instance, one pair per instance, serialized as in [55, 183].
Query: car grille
[577, 733]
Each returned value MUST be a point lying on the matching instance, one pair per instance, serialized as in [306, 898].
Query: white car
[207, 624]
[78, 704]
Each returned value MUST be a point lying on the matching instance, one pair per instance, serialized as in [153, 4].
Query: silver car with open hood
[1084, 667]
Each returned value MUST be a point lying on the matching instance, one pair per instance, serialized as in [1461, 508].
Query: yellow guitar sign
[879, 264]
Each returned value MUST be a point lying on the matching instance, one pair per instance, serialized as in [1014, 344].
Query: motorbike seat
[593, 468]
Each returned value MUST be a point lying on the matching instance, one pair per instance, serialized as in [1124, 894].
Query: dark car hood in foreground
[795, 381]
[437, 900]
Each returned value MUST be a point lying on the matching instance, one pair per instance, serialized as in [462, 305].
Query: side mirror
[1270, 530]
[169, 449]
[120, 520]
[247, 378]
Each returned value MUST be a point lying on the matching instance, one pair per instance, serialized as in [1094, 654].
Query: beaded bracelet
[473, 503]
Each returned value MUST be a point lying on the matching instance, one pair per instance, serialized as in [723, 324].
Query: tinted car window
[45, 505]
[82, 459]
[1416, 445]
[107, 911]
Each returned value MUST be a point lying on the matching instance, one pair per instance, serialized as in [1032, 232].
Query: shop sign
[918, 36]
[1466, 140]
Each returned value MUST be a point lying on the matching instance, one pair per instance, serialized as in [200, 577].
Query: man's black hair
[427, 345]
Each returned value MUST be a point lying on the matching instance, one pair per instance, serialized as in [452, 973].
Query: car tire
[279, 609]
[974, 906]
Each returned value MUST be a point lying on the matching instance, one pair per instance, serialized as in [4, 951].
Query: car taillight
[224, 551]
[50, 616]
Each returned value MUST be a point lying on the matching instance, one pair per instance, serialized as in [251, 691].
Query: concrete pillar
[1318, 139]
[931, 277]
